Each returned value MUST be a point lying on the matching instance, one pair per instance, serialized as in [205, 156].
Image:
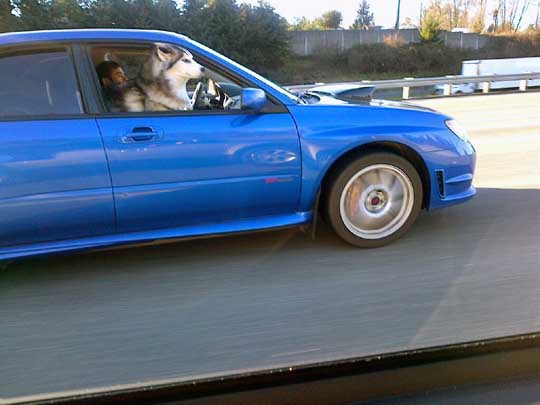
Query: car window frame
[273, 106]
[43, 47]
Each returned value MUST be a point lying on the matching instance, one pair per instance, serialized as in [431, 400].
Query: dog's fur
[161, 84]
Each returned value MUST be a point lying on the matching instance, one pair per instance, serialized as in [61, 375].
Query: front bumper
[451, 175]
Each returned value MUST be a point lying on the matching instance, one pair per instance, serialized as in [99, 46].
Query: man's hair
[104, 69]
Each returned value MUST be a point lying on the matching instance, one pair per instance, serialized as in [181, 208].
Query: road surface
[256, 301]
[510, 392]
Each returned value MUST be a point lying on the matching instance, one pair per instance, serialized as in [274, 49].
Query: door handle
[140, 134]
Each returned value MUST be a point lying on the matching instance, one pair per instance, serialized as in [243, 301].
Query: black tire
[339, 181]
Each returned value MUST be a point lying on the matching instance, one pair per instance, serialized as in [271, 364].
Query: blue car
[80, 167]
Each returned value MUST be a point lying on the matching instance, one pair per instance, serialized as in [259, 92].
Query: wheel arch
[380, 146]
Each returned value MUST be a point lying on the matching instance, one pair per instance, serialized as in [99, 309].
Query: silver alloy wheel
[376, 201]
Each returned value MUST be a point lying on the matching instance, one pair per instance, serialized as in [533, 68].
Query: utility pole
[537, 14]
[397, 18]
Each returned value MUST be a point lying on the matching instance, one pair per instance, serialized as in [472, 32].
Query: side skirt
[144, 237]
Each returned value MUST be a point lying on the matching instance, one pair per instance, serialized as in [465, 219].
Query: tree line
[333, 20]
[254, 35]
[479, 16]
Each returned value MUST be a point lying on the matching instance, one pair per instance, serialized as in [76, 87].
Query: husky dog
[161, 84]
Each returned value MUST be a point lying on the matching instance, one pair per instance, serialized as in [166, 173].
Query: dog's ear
[185, 52]
[164, 52]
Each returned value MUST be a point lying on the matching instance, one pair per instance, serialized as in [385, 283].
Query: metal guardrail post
[486, 86]
[406, 92]
[448, 86]
[407, 89]
[523, 85]
[448, 89]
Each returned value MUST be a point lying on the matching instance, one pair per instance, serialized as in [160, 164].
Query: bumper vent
[440, 182]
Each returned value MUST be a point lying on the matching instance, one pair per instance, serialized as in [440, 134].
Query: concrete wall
[306, 42]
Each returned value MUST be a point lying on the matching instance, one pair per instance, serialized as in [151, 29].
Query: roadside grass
[300, 73]
[299, 70]
[395, 60]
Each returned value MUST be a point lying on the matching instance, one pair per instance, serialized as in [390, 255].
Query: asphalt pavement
[216, 306]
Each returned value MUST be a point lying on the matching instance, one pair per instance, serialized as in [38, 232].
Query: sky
[384, 10]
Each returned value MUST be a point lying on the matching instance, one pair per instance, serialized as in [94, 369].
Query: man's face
[118, 76]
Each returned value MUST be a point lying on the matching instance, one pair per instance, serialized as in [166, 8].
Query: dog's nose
[203, 69]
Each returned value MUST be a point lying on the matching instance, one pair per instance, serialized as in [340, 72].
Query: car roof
[35, 37]
[14, 38]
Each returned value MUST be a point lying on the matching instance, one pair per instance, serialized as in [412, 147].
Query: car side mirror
[253, 99]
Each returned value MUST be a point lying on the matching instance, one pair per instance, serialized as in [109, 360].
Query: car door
[54, 178]
[187, 168]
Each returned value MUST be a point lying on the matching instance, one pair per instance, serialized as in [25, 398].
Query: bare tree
[477, 22]
[472, 14]
[513, 13]
[496, 19]
[509, 14]
[524, 8]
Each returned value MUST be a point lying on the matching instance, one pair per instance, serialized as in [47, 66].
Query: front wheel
[374, 199]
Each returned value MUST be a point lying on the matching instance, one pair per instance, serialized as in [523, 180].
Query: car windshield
[282, 90]
[261, 202]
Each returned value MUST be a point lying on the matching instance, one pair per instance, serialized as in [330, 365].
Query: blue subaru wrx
[80, 168]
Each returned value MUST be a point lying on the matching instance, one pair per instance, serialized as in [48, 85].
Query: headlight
[458, 130]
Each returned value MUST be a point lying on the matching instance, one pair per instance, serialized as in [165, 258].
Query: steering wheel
[197, 99]
[209, 95]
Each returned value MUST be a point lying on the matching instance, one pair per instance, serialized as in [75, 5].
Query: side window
[161, 77]
[38, 83]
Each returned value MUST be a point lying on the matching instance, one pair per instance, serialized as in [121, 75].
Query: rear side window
[39, 83]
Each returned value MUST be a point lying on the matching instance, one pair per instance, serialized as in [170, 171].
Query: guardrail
[448, 81]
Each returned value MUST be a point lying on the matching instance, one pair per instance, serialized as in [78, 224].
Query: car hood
[326, 99]
[401, 104]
